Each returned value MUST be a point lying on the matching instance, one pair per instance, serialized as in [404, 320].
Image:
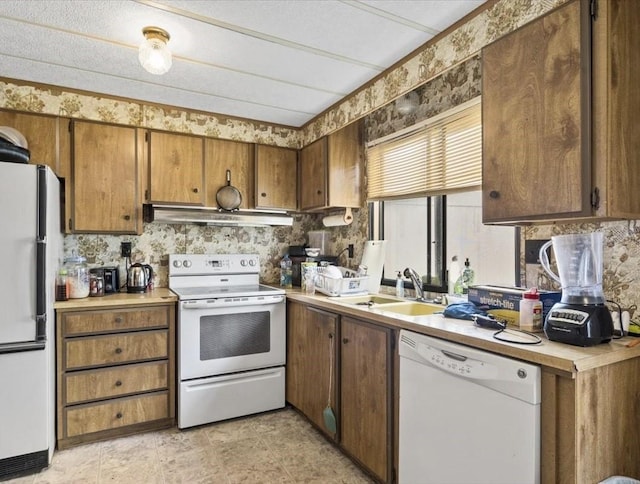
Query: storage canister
[77, 276]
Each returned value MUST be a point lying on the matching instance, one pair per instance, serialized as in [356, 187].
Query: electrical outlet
[350, 251]
[532, 250]
[125, 249]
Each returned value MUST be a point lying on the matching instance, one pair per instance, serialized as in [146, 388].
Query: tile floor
[274, 447]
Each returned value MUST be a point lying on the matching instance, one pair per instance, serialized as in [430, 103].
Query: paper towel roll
[337, 220]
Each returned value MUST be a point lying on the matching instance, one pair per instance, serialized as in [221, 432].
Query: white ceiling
[277, 61]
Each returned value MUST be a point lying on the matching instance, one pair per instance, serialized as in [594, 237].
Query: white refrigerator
[30, 250]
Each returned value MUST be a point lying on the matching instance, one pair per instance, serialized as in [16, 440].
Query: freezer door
[26, 416]
[18, 225]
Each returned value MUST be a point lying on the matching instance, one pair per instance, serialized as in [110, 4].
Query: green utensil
[327, 414]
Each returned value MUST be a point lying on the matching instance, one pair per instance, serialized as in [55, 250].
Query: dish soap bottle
[399, 285]
[466, 278]
[286, 272]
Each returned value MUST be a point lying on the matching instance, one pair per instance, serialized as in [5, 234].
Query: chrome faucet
[417, 283]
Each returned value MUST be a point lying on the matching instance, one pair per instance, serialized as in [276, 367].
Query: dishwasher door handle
[454, 356]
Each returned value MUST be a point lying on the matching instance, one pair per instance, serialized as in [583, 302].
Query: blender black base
[579, 325]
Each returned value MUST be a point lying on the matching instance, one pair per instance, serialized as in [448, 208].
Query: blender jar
[580, 266]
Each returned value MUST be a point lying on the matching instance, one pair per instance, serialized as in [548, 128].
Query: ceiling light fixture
[153, 54]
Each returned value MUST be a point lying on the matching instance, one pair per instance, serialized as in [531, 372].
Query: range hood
[172, 214]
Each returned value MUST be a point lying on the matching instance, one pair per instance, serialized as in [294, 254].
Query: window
[424, 188]
[426, 233]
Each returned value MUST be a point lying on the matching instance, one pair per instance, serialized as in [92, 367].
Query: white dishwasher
[466, 416]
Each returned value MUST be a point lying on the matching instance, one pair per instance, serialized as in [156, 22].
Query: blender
[581, 317]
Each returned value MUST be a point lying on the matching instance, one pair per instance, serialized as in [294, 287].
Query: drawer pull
[119, 415]
[118, 351]
[118, 383]
[345, 340]
[118, 319]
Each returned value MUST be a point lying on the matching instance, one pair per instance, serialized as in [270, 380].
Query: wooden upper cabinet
[43, 136]
[276, 175]
[313, 175]
[331, 170]
[176, 168]
[559, 134]
[238, 158]
[104, 196]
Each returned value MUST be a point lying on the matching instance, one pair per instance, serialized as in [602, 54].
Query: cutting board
[373, 259]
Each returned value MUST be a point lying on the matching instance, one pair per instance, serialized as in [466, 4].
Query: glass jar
[77, 276]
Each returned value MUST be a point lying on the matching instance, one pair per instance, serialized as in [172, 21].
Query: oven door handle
[231, 302]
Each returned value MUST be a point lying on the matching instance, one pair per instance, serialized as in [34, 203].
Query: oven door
[228, 335]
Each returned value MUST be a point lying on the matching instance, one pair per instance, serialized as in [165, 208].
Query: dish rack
[348, 284]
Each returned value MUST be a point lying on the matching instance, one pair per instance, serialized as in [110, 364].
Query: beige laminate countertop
[558, 356]
[161, 295]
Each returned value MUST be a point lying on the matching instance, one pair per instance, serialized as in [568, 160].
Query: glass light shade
[155, 56]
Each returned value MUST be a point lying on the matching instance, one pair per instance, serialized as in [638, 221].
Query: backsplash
[270, 243]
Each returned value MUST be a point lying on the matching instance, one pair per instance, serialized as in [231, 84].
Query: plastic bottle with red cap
[531, 311]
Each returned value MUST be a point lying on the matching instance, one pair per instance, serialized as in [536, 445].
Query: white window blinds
[440, 155]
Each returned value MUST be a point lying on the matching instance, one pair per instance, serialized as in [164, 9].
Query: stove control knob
[243, 262]
[177, 263]
[252, 262]
[187, 263]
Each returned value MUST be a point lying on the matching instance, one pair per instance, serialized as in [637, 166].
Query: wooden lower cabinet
[366, 394]
[311, 356]
[115, 372]
[360, 357]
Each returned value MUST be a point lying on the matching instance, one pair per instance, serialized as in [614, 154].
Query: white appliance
[231, 338]
[31, 248]
[466, 416]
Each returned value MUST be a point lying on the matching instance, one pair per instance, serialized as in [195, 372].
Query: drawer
[91, 322]
[82, 386]
[120, 412]
[114, 349]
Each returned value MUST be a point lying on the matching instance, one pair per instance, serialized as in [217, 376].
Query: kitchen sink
[414, 309]
[367, 300]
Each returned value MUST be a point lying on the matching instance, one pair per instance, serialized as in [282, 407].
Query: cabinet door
[41, 132]
[535, 119]
[104, 177]
[311, 351]
[222, 155]
[276, 177]
[365, 396]
[176, 168]
[313, 175]
[345, 167]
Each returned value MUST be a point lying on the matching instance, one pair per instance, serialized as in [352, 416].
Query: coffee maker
[582, 317]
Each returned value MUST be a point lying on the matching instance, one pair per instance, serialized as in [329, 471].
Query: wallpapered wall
[444, 74]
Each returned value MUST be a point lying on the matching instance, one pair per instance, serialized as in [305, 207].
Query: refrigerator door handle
[20, 347]
[41, 256]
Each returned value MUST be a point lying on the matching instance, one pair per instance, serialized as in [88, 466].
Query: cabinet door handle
[345, 340]
[195, 190]
[127, 217]
[119, 415]
[118, 351]
[319, 192]
[263, 194]
[330, 335]
[118, 383]
[118, 319]
[494, 194]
